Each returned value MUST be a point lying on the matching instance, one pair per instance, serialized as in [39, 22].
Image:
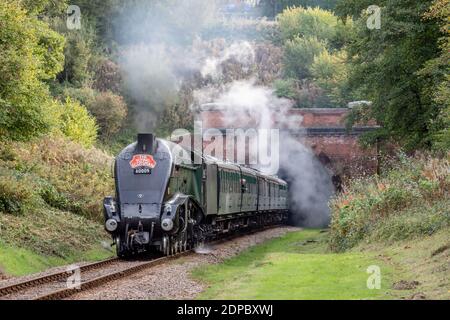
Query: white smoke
[158, 51]
[150, 79]
[310, 182]
[239, 51]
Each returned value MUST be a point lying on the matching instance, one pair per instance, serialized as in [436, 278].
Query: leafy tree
[307, 22]
[78, 52]
[299, 55]
[330, 72]
[386, 65]
[271, 8]
[29, 53]
[77, 124]
[314, 55]
[110, 110]
[439, 70]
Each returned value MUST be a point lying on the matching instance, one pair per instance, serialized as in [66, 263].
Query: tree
[30, 52]
[314, 56]
[271, 8]
[76, 123]
[386, 64]
[330, 72]
[307, 22]
[299, 55]
[438, 69]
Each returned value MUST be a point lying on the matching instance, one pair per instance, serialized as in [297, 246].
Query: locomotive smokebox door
[146, 143]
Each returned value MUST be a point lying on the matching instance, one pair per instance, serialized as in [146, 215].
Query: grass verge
[300, 265]
[295, 266]
[16, 261]
[51, 192]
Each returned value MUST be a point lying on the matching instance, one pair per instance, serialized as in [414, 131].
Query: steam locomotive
[167, 205]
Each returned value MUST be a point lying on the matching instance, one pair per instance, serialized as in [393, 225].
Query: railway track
[53, 286]
[56, 276]
[89, 284]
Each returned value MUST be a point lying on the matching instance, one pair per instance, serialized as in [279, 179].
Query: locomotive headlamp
[111, 225]
[167, 224]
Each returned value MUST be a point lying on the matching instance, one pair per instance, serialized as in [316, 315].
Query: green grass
[16, 261]
[425, 259]
[295, 266]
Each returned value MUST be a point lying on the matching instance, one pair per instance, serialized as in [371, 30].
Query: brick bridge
[322, 129]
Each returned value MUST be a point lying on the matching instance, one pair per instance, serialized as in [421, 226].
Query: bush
[53, 198]
[306, 94]
[56, 172]
[15, 194]
[84, 95]
[30, 52]
[77, 124]
[106, 75]
[307, 22]
[410, 200]
[299, 56]
[285, 88]
[110, 110]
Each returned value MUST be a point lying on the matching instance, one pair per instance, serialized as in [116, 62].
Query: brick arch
[321, 129]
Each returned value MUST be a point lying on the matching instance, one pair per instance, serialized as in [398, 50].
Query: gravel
[172, 280]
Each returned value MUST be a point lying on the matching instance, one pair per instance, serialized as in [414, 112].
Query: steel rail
[93, 283]
[67, 292]
[56, 276]
[62, 275]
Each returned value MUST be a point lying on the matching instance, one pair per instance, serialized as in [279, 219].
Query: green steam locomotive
[162, 204]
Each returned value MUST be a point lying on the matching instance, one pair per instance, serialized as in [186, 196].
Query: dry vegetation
[50, 195]
[409, 201]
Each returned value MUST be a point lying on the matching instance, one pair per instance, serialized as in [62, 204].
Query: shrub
[307, 22]
[330, 73]
[84, 95]
[30, 52]
[110, 110]
[411, 199]
[15, 194]
[77, 124]
[59, 173]
[299, 56]
[52, 197]
[285, 88]
[106, 75]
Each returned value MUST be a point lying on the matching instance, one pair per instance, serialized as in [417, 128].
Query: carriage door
[212, 199]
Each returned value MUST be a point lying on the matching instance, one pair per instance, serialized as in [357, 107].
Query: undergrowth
[51, 192]
[55, 172]
[410, 200]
